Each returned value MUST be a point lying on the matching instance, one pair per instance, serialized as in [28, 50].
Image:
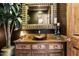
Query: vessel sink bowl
[39, 36]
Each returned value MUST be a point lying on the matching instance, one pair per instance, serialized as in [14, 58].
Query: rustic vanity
[52, 46]
[42, 20]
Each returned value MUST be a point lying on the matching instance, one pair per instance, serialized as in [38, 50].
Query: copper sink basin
[39, 36]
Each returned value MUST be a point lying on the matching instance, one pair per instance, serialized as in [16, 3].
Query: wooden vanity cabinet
[41, 48]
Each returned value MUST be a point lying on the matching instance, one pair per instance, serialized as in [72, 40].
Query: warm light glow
[40, 21]
[58, 24]
[55, 20]
[22, 33]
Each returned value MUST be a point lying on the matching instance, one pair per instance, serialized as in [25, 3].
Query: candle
[55, 20]
[58, 24]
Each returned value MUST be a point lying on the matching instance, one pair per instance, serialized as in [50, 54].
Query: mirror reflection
[39, 14]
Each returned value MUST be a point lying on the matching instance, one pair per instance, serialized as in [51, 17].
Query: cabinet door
[72, 25]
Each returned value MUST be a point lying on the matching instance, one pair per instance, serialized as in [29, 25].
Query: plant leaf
[17, 25]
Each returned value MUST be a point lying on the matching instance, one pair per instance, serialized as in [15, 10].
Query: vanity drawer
[39, 46]
[23, 46]
[55, 46]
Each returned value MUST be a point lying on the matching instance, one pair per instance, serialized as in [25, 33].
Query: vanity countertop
[50, 38]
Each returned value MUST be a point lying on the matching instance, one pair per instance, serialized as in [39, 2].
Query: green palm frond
[9, 12]
[1, 9]
[15, 9]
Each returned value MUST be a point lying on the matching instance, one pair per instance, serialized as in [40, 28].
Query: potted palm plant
[10, 18]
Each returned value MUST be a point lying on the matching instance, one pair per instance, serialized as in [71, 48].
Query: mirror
[38, 15]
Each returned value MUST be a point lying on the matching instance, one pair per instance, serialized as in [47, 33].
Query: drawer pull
[38, 46]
